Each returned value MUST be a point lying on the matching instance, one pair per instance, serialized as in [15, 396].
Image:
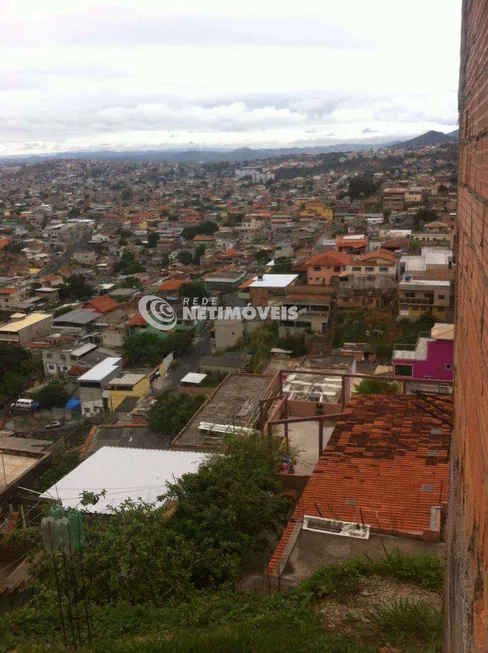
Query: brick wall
[467, 584]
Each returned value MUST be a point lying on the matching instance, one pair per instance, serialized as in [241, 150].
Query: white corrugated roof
[137, 474]
[100, 371]
[84, 349]
[193, 377]
[273, 281]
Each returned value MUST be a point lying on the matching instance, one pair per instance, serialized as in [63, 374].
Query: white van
[24, 404]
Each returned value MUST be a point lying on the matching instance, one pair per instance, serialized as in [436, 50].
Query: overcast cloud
[218, 73]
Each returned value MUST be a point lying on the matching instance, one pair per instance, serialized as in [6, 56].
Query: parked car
[55, 424]
[25, 404]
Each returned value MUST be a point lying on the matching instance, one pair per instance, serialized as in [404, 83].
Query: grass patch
[378, 328]
[424, 570]
[408, 620]
[224, 621]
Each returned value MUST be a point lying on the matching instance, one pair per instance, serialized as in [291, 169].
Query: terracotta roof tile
[378, 458]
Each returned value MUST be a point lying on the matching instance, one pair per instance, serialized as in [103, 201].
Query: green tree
[170, 413]
[185, 257]
[261, 256]
[52, 394]
[193, 290]
[215, 513]
[361, 187]
[282, 265]
[146, 348]
[152, 239]
[12, 384]
[423, 215]
[377, 387]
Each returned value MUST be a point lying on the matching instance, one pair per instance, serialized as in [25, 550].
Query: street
[189, 361]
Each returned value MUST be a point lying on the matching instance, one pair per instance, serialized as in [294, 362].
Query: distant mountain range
[430, 138]
[239, 155]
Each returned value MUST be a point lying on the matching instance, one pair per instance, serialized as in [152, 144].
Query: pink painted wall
[439, 354]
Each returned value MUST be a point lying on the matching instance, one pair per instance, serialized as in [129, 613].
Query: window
[403, 370]
[316, 268]
[442, 296]
[369, 269]
[427, 377]
[384, 270]
[337, 268]
[441, 309]
[49, 355]
[51, 367]
[356, 268]
[409, 294]
[448, 367]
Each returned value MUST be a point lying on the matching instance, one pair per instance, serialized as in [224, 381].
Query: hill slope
[429, 138]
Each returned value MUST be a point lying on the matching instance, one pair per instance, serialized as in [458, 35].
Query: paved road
[65, 257]
[190, 361]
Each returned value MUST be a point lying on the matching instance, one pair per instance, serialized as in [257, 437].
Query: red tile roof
[352, 243]
[376, 467]
[8, 291]
[333, 257]
[379, 253]
[137, 320]
[171, 284]
[102, 304]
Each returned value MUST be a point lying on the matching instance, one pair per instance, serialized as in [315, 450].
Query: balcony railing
[413, 301]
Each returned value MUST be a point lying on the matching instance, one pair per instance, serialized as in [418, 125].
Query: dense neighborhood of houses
[361, 244]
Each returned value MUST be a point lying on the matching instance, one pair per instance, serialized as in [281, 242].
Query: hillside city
[341, 412]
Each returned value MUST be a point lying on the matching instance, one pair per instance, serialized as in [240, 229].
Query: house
[9, 298]
[419, 296]
[322, 268]
[102, 304]
[66, 359]
[205, 241]
[94, 383]
[135, 383]
[169, 289]
[283, 250]
[23, 329]
[429, 260]
[225, 279]
[352, 244]
[264, 287]
[432, 357]
[394, 199]
[379, 263]
[381, 484]
[142, 475]
[414, 195]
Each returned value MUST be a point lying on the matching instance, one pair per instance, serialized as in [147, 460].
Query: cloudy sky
[127, 74]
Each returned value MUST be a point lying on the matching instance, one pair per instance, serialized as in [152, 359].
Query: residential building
[9, 298]
[352, 244]
[23, 329]
[419, 296]
[142, 474]
[73, 359]
[322, 268]
[381, 480]
[380, 263]
[432, 357]
[394, 199]
[135, 383]
[93, 386]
